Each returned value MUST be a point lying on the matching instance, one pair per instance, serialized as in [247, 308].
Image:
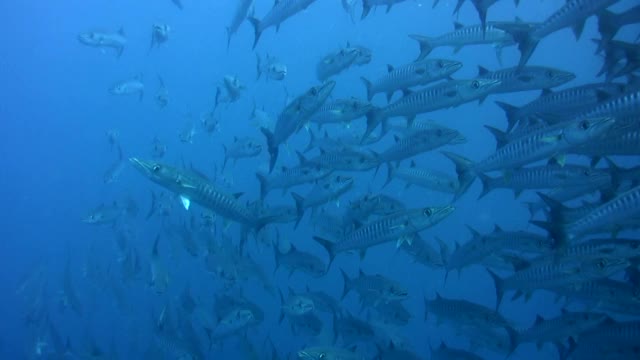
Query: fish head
[478, 87]
[435, 67]
[252, 147]
[161, 174]
[429, 216]
[580, 131]
[556, 77]
[118, 89]
[341, 182]
[363, 56]
[322, 91]
[302, 305]
[90, 38]
[277, 71]
[605, 266]
[395, 291]
[314, 354]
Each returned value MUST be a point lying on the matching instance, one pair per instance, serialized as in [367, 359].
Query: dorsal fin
[497, 228]
[389, 68]
[482, 71]
[238, 195]
[457, 25]
[413, 164]
[546, 92]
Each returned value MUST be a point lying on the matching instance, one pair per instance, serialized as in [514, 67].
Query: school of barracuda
[564, 147]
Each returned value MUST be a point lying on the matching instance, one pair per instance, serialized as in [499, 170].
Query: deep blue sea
[55, 112]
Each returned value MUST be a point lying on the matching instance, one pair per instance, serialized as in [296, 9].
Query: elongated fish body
[346, 158]
[544, 177]
[567, 194]
[622, 139]
[362, 208]
[428, 179]
[526, 79]
[281, 11]
[102, 40]
[566, 325]
[289, 177]
[413, 74]
[610, 340]
[294, 116]
[191, 187]
[540, 145]
[420, 142]
[446, 95]
[239, 15]
[422, 252]
[622, 106]
[398, 227]
[572, 14]
[128, 87]
[244, 147]
[326, 190]
[561, 104]
[606, 294]
[336, 62]
[615, 211]
[341, 111]
[443, 352]
[368, 4]
[463, 36]
[550, 273]
[464, 313]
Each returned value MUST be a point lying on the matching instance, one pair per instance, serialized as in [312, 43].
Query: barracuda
[441, 96]
[399, 227]
[419, 142]
[294, 115]
[281, 11]
[525, 79]
[191, 187]
[417, 73]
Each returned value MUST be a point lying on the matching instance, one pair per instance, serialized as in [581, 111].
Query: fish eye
[314, 91]
[439, 132]
[549, 73]
[475, 84]
[587, 172]
[427, 212]
[155, 168]
[584, 125]
[321, 356]
[601, 264]
[441, 64]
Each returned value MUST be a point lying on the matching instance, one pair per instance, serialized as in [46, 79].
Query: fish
[129, 86]
[113, 172]
[296, 260]
[191, 187]
[159, 34]
[349, 7]
[329, 189]
[105, 40]
[417, 73]
[374, 289]
[420, 142]
[609, 24]
[327, 353]
[425, 178]
[233, 87]
[294, 305]
[368, 4]
[288, 177]
[368, 205]
[399, 227]
[293, 116]
[526, 78]
[346, 159]
[245, 147]
[239, 16]
[444, 352]
[160, 279]
[341, 111]
[162, 95]
[336, 62]
[272, 68]
[463, 36]
[178, 4]
[572, 14]
[440, 96]
[281, 11]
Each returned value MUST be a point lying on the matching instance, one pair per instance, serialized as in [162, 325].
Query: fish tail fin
[224, 162]
[511, 112]
[526, 43]
[348, 284]
[366, 8]
[228, 37]
[513, 338]
[119, 51]
[466, 176]
[391, 170]
[498, 283]
[264, 188]
[487, 185]
[258, 69]
[374, 117]
[328, 246]
[368, 86]
[425, 45]
[299, 200]
[556, 232]
[312, 141]
[501, 137]
[256, 30]
[273, 148]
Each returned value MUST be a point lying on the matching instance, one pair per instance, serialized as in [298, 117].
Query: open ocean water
[78, 270]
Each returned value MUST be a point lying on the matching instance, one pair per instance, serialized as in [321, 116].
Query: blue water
[55, 110]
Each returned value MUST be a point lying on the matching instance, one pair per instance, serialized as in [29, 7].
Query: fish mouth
[565, 77]
[453, 66]
[142, 165]
[445, 210]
